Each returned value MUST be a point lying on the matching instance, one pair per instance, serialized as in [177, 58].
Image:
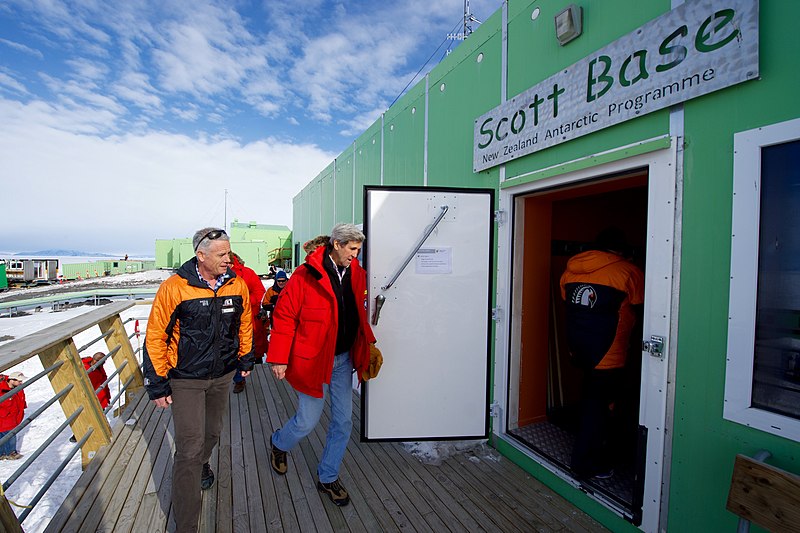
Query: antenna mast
[469, 18]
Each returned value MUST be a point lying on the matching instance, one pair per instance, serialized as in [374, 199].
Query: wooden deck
[127, 486]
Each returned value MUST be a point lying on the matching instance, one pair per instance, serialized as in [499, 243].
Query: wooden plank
[254, 504]
[98, 465]
[261, 434]
[238, 502]
[286, 508]
[20, 350]
[361, 511]
[765, 495]
[112, 503]
[152, 446]
[160, 483]
[297, 475]
[224, 518]
[500, 498]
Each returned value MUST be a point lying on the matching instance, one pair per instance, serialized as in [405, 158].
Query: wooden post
[82, 394]
[8, 520]
[125, 353]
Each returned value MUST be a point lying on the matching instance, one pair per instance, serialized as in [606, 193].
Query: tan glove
[375, 362]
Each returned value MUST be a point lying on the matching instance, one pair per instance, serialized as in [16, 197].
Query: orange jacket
[600, 289]
[195, 332]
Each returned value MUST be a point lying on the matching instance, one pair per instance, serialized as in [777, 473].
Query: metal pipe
[112, 376]
[416, 248]
[22, 425]
[115, 398]
[100, 363]
[103, 336]
[32, 457]
[55, 475]
[31, 381]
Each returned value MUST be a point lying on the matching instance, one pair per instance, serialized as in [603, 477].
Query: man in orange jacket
[200, 331]
[604, 293]
[320, 334]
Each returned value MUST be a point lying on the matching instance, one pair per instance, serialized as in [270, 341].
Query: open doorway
[544, 385]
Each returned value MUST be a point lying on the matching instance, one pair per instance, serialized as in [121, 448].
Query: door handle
[379, 301]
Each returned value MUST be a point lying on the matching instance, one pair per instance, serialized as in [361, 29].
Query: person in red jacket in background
[98, 377]
[12, 410]
[257, 291]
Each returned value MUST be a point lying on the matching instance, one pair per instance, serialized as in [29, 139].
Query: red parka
[257, 291]
[12, 410]
[97, 377]
[305, 323]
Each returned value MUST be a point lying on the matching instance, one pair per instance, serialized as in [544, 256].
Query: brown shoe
[238, 387]
[278, 460]
[336, 491]
[13, 456]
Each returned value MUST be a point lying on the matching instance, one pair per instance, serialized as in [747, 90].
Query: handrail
[61, 359]
[425, 234]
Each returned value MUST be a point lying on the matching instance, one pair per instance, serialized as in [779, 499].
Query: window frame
[746, 223]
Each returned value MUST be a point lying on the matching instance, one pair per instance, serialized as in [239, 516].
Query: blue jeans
[237, 377]
[10, 446]
[309, 410]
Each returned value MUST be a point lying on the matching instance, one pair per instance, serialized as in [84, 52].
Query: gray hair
[345, 233]
[201, 242]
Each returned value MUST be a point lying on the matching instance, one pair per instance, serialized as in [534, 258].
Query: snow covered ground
[23, 490]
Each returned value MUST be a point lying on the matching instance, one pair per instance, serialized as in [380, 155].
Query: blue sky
[124, 122]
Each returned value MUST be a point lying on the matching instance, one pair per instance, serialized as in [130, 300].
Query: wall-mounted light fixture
[569, 24]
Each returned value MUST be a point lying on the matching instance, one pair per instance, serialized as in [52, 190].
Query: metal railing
[61, 359]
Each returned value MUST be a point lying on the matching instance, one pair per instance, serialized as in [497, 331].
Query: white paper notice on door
[434, 261]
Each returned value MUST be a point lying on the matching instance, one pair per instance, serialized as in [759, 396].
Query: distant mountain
[63, 253]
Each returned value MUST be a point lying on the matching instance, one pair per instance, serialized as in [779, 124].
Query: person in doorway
[271, 296]
[199, 332]
[12, 410]
[604, 295]
[320, 335]
[256, 289]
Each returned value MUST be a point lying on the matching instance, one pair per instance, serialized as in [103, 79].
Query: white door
[428, 257]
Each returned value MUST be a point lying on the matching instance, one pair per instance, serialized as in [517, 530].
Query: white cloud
[10, 82]
[22, 48]
[84, 191]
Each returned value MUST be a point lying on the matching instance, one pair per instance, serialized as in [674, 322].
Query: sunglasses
[211, 235]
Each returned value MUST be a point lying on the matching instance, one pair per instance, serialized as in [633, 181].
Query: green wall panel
[368, 166]
[472, 85]
[343, 211]
[705, 444]
[404, 138]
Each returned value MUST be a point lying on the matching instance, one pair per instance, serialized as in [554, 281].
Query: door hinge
[494, 410]
[500, 217]
[497, 314]
[655, 346]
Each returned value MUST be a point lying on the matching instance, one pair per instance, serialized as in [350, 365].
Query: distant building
[260, 245]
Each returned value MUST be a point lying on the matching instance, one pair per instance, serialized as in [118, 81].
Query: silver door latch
[655, 346]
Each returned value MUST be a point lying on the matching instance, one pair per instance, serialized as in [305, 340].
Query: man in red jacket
[320, 334]
[256, 290]
[11, 412]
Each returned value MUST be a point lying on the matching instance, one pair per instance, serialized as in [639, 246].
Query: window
[762, 386]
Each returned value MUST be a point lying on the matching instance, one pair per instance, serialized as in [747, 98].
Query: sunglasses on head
[211, 235]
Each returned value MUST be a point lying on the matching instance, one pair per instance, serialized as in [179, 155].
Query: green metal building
[259, 245]
[674, 121]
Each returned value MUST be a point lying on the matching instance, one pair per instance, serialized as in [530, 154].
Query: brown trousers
[198, 406]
